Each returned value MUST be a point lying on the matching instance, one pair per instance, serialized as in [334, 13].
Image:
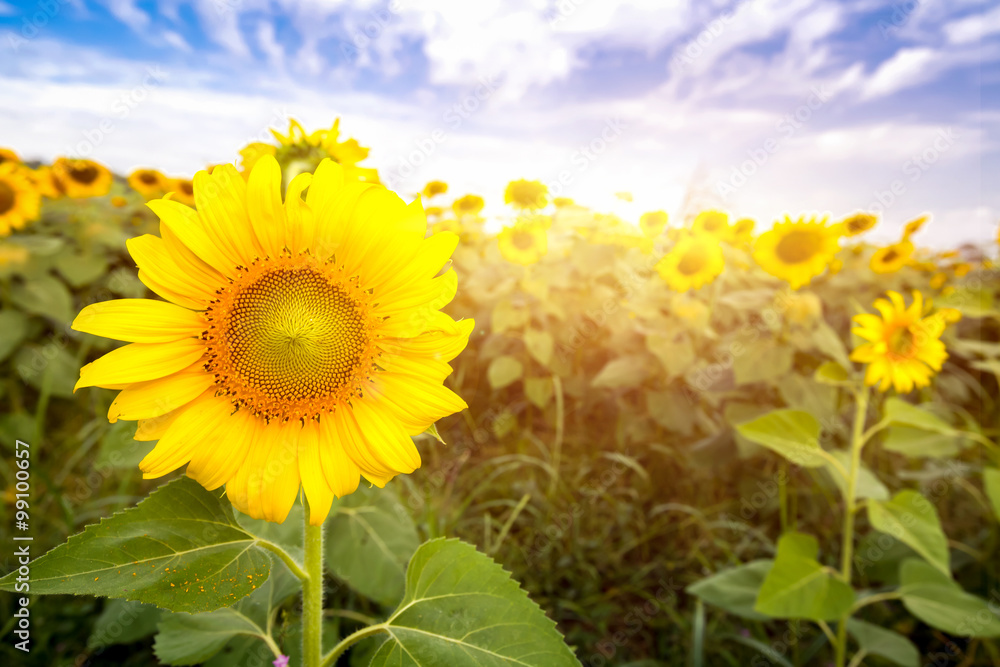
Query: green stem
[560, 426]
[312, 596]
[331, 658]
[287, 559]
[850, 507]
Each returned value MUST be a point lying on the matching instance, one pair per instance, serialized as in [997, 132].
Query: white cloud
[973, 28]
[7, 9]
[908, 67]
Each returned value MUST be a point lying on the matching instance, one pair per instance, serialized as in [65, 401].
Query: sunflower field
[277, 414]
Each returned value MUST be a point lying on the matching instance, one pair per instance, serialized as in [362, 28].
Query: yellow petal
[385, 437]
[184, 223]
[193, 427]
[300, 226]
[264, 205]
[161, 272]
[139, 362]
[276, 480]
[145, 400]
[139, 321]
[314, 481]
[221, 198]
[417, 402]
[218, 462]
[155, 427]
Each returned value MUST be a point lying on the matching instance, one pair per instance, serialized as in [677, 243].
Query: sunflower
[904, 348]
[527, 194]
[81, 178]
[468, 205]
[302, 151]
[7, 155]
[796, 251]
[301, 342]
[914, 226]
[182, 190]
[938, 280]
[712, 222]
[803, 308]
[447, 225]
[435, 188]
[652, 223]
[891, 258]
[523, 243]
[45, 182]
[741, 233]
[19, 199]
[857, 223]
[149, 182]
[563, 202]
[696, 260]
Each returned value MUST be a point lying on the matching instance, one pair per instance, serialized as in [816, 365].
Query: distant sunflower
[741, 233]
[796, 251]
[81, 178]
[148, 182]
[19, 200]
[891, 258]
[562, 202]
[653, 223]
[904, 349]
[301, 342]
[435, 188]
[914, 226]
[938, 280]
[712, 222]
[447, 225]
[526, 194]
[695, 261]
[855, 224]
[7, 155]
[182, 189]
[468, 205]
[523, 243]
[302, 151]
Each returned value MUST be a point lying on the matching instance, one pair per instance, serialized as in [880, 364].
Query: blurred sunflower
[526, 194]
[961, 269]
[695, 261]
[182, 190]
[653, 223]
[741, 233]
[892, 257]
[914, 226]
[803, 308]
[690, 309]
[563, 202]
[468, 205]
[300, 151]
[904, 349]
[45, 182]
[7, 155]
[19, 200]
[938, 280]
[523, 243]
[856, 224]
[796, 251]
[81, 178]
[433, 211]
[712, 222]
[435, 188]
[148, 182]
[301, 339]
[447, 225]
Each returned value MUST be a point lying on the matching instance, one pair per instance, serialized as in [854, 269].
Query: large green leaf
[890, 645]
[191, 639]
[792, 433]
[900, 413]
[912, 441]
[735, 589]
[798, 586]
[540, 345]
[461, 608]
[991, 484]
[123, 622]
[941, 603]
[180, 549]
[911, 519]
[46, 296]
[369, 539]
[504, 370]
[868, 485]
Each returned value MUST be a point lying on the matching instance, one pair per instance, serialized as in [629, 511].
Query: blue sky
[760, 106]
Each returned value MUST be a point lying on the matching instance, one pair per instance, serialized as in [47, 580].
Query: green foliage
[798, 586]
[180, 549]
[941, 603]
[735, 589]
[910, 518]
[792, 433]
[887, 644]
[462, 608]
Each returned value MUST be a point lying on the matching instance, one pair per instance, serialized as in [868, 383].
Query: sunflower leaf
[900, 413]
[180, 549]
[798, 586]
[910, 518]
[938, 601]
[792, 433]
[462, 608]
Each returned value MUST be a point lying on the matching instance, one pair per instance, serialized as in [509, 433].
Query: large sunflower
[523, 243]
[81, 178]
[148, 182]
[796, 251]
[696, 260]
[892, 257]
[300, 341]
[904, 349]
[19, 199]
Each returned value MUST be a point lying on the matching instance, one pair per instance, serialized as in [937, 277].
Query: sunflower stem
[850, 508]
[312, 596]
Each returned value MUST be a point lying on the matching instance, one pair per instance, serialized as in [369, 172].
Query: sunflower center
[522, 240]
[890, 256]
[148, 177]
[291, 339]
[900, 341]
[7, 198]
[693, 261]
[798, 246]
[86, 174]
[186, 187]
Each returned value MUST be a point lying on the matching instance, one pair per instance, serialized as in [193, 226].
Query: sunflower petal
[139, 321]
[139, 362]
[145, 400]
